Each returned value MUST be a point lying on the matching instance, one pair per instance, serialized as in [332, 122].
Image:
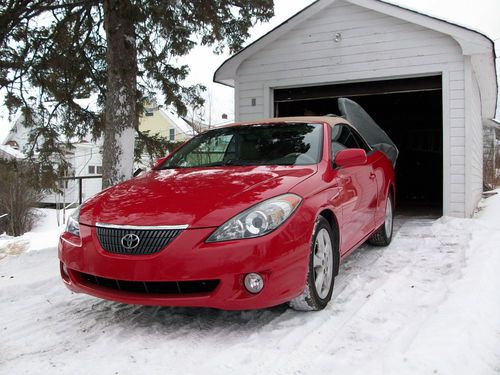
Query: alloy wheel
[323, 263]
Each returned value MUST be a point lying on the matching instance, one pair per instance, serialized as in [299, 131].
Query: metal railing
[80, 184]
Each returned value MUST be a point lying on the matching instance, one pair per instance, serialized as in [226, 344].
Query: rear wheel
[321, 272]
[383, 235]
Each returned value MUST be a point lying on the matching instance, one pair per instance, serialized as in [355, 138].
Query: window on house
[99, 169]
[171, 134]
[91, 169]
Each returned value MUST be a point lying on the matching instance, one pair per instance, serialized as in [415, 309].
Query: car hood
[190, 196]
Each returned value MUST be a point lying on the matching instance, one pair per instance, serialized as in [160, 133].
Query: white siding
[474, 143]
[84, 155]
[373, 46]
[456, 143]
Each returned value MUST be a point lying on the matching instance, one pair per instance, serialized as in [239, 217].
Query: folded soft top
[368, 128]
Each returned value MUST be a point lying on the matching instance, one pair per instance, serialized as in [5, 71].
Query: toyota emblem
[130, 241]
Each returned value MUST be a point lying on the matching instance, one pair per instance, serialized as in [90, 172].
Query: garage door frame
[268, 96]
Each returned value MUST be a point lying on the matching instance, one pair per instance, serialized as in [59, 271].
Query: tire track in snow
[380, 288]
[357, 289]
[361, 275]
[368, 317]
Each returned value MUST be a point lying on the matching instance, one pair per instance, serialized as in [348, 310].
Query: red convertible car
[245, 216]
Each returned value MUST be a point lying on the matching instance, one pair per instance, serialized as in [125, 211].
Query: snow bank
[427, 304]
[45, 234]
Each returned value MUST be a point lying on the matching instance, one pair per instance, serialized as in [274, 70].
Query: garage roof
[471, 42]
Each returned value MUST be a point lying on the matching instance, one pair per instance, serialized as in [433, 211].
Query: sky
[480, 15]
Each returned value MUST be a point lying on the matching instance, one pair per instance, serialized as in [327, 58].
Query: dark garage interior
[409, 110]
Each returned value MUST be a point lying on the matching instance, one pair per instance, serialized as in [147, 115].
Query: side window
[337, 134]
[360, 141]
[342, 136]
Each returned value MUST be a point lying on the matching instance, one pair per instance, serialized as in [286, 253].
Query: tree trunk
[120, 112]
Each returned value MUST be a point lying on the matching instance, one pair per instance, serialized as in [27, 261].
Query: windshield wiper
[225, 163]
[170, 167]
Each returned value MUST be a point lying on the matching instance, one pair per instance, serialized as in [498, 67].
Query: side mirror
[350, 157]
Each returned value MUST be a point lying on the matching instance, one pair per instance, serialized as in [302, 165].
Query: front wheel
[383, 235]
[321, 272]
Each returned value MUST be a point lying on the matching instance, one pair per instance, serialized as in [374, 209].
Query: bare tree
[19, 193]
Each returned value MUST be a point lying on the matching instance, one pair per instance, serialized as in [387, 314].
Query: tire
[383, 235]
[322, 261]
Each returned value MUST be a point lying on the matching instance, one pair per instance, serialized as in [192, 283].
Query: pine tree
[53, 52]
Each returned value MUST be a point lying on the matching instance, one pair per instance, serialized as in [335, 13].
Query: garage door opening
[409, 110]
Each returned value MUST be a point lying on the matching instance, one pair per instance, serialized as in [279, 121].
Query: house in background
[85, 160]
[430, 84]
[18, 136]
[16, 142]
[85, 157]
[166, 124]
[10, 152]
[200, 126]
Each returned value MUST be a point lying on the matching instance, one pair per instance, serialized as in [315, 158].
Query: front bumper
[281, 257]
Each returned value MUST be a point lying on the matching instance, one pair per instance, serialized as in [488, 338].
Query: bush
[19, 194]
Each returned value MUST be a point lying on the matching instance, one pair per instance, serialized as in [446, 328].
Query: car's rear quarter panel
[384, 172]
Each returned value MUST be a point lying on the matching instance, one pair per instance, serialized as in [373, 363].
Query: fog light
[64, 272]
[254, 282]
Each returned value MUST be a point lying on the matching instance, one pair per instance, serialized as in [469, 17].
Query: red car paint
[205, 198]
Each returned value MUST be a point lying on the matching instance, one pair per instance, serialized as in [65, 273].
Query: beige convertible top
[331, 120]
[357, 117]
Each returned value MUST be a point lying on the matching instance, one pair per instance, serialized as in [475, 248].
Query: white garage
[430, 84]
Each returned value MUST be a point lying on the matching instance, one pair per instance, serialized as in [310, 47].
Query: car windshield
[260, 144]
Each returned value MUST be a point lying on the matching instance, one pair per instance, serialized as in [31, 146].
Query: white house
[85, 158]
[429, 83]
[18, 135]
[8, 152]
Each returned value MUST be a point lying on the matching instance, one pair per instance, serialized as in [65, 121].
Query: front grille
[151, 287]
[150, 240]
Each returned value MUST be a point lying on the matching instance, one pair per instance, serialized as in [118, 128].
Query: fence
[79, 180]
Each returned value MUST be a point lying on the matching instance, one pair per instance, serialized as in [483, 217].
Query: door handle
[372, 176]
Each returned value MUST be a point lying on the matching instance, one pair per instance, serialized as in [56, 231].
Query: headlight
[73, 225]
[257, 220]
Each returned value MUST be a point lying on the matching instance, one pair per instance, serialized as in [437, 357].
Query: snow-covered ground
[44, 235]
[427, 304]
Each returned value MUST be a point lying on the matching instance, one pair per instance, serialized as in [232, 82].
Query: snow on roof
[5, 139]
[180, 123]
[12, 152]
[90, 103]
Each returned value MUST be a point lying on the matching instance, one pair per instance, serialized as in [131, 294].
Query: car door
[359, 189]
